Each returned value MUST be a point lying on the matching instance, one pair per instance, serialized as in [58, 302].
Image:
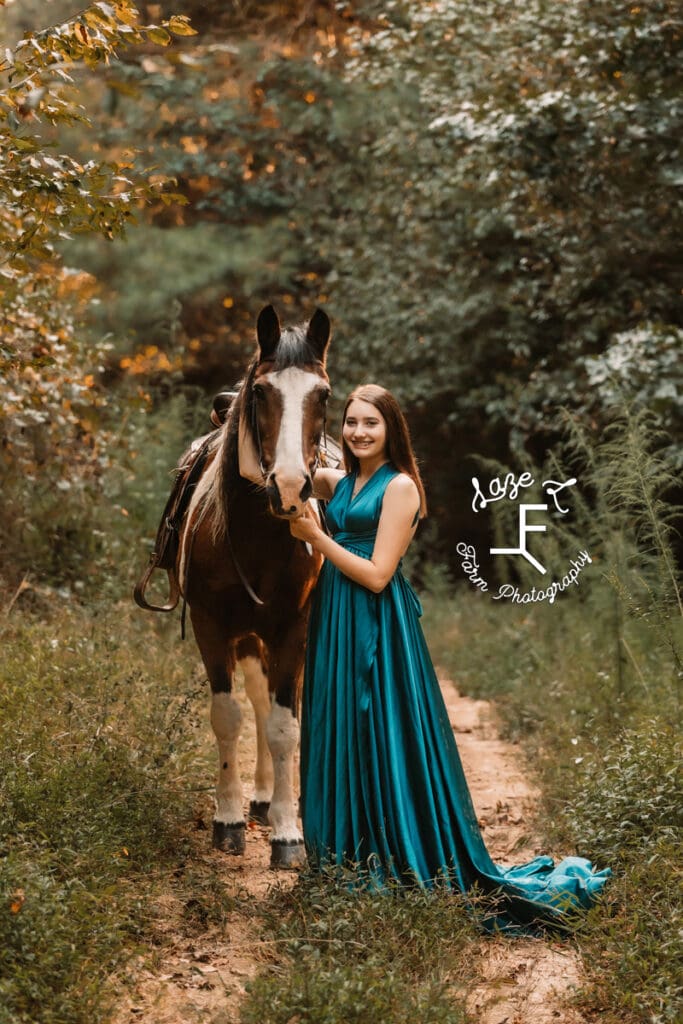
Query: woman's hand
[305, 527]
[396, 528]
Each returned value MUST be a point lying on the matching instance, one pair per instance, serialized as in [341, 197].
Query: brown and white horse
[248, 582]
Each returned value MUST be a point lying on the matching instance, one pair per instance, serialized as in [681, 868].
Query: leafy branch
[45, 196]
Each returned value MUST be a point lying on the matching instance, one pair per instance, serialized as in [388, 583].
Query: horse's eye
[259, 393]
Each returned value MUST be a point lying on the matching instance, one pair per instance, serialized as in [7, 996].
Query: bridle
[321, 443]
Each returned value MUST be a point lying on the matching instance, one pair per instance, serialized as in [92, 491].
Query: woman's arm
[394, 534]
[325, 481]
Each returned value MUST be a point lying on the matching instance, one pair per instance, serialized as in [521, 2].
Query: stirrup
[141, 586]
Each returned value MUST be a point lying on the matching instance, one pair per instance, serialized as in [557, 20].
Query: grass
[348, 957]
[103, 757]
[603, 738]
[103, 753]
[98, 747]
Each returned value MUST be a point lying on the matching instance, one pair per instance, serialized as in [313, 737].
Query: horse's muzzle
[288, 496]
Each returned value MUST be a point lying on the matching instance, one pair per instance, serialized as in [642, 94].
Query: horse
[248, 582]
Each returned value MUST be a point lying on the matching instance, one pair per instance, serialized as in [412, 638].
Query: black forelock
[294, 349]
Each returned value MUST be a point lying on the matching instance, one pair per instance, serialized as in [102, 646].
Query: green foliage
[50, 946]
[608, 757]
[197, 261]
[621, 510]
[629, 522]
[626, 809]
[593, 685]
[644, 365]
[351, 956]
[637, 942]
[627, 795]
[95, 758]
[57, 419]
[492, 168]
[42, 195]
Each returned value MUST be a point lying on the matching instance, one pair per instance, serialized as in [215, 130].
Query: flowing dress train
[382, 785]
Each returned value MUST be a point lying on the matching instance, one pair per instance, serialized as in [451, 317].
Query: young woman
[382, 784]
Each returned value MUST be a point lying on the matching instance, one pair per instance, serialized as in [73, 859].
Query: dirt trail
[200, 980]
[524, 981]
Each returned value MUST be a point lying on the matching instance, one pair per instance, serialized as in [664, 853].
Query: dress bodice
[353, 519]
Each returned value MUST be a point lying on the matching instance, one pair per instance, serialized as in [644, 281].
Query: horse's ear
[267, 331]
[318, 333]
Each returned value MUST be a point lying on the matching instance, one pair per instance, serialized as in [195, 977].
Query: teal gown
[382, 785]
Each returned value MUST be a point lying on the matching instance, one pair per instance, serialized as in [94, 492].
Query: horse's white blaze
[256, 689]
[226, 719]
[282, 730]
[293, 384]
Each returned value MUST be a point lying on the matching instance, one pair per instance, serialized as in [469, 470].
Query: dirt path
[524, 981]
[199, 978]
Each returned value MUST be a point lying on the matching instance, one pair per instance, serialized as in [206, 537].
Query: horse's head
[287, 402]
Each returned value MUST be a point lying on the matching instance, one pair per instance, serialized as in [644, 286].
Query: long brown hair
[399, 447]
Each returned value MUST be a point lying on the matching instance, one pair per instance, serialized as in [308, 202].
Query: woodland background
[486, 200]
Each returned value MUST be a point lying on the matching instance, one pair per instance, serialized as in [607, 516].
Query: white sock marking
[226, 719]
[256, 689]
[282, 730]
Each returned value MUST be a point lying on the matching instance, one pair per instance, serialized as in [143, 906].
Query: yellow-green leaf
[158, 35]
[179, 24]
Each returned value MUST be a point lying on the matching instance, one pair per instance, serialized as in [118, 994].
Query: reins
[238, 568]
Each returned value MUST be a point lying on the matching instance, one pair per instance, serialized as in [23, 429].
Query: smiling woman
[382, 785]
[365, 435]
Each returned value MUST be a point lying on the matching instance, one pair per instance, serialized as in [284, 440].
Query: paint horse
[248, 582]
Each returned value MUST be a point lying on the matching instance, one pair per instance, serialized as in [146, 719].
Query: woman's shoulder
[402, 485]
[401, 501]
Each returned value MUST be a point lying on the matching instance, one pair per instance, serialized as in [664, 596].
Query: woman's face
[365, 430]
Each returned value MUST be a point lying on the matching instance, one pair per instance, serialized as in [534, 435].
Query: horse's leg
[218, 654]
[282, 731]
[250, 655]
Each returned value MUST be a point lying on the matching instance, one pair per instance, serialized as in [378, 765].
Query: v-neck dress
[382, 785]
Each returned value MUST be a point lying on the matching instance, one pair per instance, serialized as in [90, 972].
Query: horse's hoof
[258, 811]
[288, 854]
[229, 838]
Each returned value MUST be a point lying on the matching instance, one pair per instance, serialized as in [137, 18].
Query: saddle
[188, 472]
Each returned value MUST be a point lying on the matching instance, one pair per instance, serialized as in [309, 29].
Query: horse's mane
[293, 349]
